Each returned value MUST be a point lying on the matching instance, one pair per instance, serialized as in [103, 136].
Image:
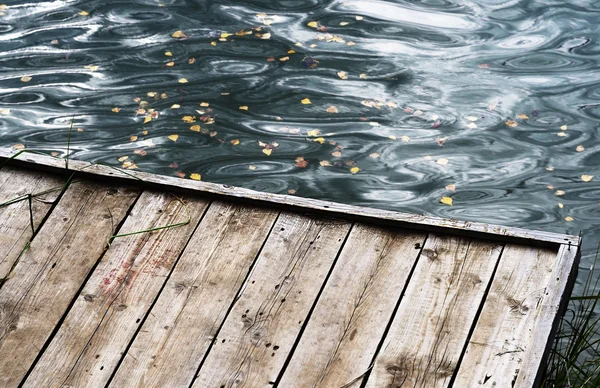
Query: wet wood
[431, 325]
[15, 218]
[266, 319]
[49, 274]
[116, 298]
[176, 335]
[292, 203]
[350, 318]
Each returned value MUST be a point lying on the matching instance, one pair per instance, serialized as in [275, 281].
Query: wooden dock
[128, 279]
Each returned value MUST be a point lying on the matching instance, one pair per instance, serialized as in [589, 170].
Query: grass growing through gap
[575, 358]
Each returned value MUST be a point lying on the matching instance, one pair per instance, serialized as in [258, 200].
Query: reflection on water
[499, 98]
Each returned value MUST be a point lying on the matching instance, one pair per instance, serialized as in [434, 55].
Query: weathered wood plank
[412, 221]
[15, 226]
[354, 309]
[519, 309]
[108, 311]
[50, 273]
[181, 326]
[431, 326]
[267, 317]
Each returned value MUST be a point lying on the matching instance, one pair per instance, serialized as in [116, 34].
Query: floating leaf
[359, 17]
[175, 106]
[91, 67]
[446, 201]
[471, 118]
[319, 140]
[243, 107]
[195, 128]
[564, 127]
[313, 24]
[173, 137]
[569, 219]
[284, 59]
[354, 170]
[235, 142]
[306, 101]
[451, 187]
[559, 193]
[405, 139]
[188, 119]
[301, 162]
[337, 154]
[116, 110]
[267, 151]
[332, 109]
[472, 125]
[560, 205]
[180, 174]
[291, 191]
[266, 35]
[374, 155]
[168, 53]
[374, 124]
[133, 138]
[587, 178]
[310, 62]
[392, 137]
[83, 13]
[170, 64]
[251, 167]
[561, 134]
[313, 132]
[18, 147]
[183, 81]
[580, 148]
[195, 176]
[511, 123]
[550, 168]
[344, 23]
[442, 161]
[362, 76]
[25, 78]
[342, 74]
[178, 34]
[191, 61]
[147, 119]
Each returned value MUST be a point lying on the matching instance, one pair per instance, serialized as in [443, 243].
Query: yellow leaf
[83, 13]
[235, 142]
[511, 123]
[173, 137]
[25, 78]
[561, 134]
[170, 64]
[178, 34]
[243, 107]
[183, 81]
[580, 148]
[569, 219]
[344, 23]
[265, 36]
[91, 67]
[362, 76]
[587, 178]
[116, 110]
[442, 161]
[313, 132]
[560, 205]
[123, 158]
[205, 104]
[291, 52]
[319, 140]
[195, 176]
[188, 119]
[446, 201]
[564, 127]
[325, 163]
[306, 101]
[168, 53]
[313, 24]
[251, 167]
[195, 128]
[147, 119]
[522, 116]
[267, 151]
[342, 74]
[559, 192]
[354, 170]
[213, 43]
[133, 138]
[392, 137]
[175, 106]
[406, 139]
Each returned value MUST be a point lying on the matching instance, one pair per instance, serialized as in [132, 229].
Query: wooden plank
[15, 225]
[108, 311]
[293, 203]
[50, 273]
[181, 326]
[267, 317]
[430, 330]
[357, 303]
[515, 323]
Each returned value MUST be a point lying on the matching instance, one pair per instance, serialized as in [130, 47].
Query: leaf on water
[332, 109]
[91, 67]
[79, 129]
[168, 53]
[188, 119]
[446, 201]
[306, 101]
[522, 116]
[359, 17]
[354, 170]
[267, 151]
[561, 134]
[374, 124]
[451, 187]
[83, 13]
[178, 35]
[472, 125]
[319, 140]
[344, 23]
[309, 62]
[325, 163]
[374, 155]
[175, 106]
[301, 162]
[116, 110]
[4, 111]
[195, 128]
[251, 167]
[147, 119]
[180, 174]
[291, 52]
[173, 137]
[183, 81]
[511, 123]
[235, 142]
[291, 191]
[471, 118]
[550, 168]
[195, 176]
[266, 35]
[405, 139]
[191, 61]
[342, 74]
[337, 154]
[564, 127]
[313, 24]
[362, 76]
[569, 219]
[244, 107]
[133, 138]
[213, 43]
[25, 78]
[442, 161]
[587, 178]
[560, 205]
[204, 104]
[18, 147]
[170, 64]
[580, 148]
[284, 59]
[313, 132]
[559, 193]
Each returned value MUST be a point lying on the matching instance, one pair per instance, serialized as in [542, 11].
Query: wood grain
[184, 321]
[351, 315]
[50, 273]
[15, 227]
[267, 317]
[516, 305]
[293, 203]
[430, 329]
[108, 311]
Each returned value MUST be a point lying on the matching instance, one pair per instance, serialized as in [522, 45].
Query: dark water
[418, 72]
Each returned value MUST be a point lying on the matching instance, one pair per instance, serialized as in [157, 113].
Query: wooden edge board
[332, 209]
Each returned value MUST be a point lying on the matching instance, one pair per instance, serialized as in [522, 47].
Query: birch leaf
[446, 201]
[195, 176]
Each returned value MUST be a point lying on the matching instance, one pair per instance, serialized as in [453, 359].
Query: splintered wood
[124, 286]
